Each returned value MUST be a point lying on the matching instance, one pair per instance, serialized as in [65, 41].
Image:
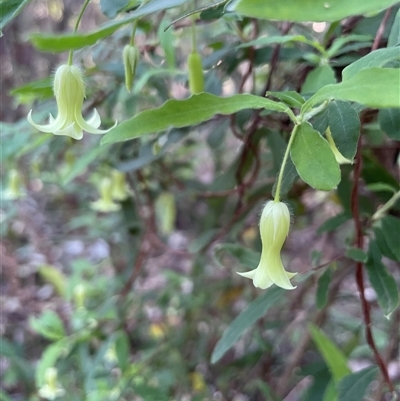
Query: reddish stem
[365, 306]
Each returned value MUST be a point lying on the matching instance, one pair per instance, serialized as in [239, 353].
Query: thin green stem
[285, 158]
[381, 212]
[134, 27]
[194, 38]
[71, 52]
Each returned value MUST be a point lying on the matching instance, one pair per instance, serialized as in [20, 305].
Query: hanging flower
[105, 204]
[51, 389]
[274, 228]
[69, 90]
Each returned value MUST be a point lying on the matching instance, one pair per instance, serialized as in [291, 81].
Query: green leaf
[254, 311]
[321, 298]
[191, 111]
[333, 223]
[49, 325]
[9, 9]
[61, 43]
[377, 58]
[167, 43]
[382, 281]
[122, 350]
[343, 40]
[39, 89]
[344, 124]
[307, 10]
[111, 8]
[394, 35]
[372, 87]
[281, 40]
[389, 121]
[390, 229]
[357, 254]
[81, 164]
[291, 98]
[314, 159]
[354, 386]
[245, 256]
[332, 355]
[318, 78]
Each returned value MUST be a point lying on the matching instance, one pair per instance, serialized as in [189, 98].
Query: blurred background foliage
[129, 304]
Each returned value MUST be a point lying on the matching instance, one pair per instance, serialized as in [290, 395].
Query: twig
[381, 29]
[365, 306]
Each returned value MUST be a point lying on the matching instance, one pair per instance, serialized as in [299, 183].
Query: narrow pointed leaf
[332, 355]
[60, 43]
[254, 311]
[382, 281]
[377, 58]
[353, 387]
[307, 10]
[181, 113]
[372, 87]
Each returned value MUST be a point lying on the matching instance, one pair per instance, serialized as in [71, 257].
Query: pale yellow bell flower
[274, 228]
[69, 90]
[51, 389]
[105, 204]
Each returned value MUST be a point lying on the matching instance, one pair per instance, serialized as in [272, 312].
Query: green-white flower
[51, 389]
[105, 204]
[274, 228]
[69, 90]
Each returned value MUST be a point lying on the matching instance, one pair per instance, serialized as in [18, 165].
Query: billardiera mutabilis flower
[51, 389]
[105, 204]
[69, 90]
[274, 228]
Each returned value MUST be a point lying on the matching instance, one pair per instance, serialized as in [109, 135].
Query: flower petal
[70, 131]
[277, 273]
[95, 120]
[46, 127]
[90, 128]
[249, 274]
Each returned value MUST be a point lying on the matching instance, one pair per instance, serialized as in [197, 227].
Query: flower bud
[131, 59]
[274, 228]
[196, 78]
[338, 156]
